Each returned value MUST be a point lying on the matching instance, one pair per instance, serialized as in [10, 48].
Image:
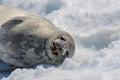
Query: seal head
[60, 48]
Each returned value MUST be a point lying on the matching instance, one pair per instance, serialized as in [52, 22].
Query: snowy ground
[95, 26]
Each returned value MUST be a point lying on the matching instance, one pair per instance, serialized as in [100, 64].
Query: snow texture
[95, 26]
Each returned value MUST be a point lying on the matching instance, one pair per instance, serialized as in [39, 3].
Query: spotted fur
[27, 39]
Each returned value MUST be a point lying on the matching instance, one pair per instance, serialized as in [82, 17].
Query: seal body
[27, 39]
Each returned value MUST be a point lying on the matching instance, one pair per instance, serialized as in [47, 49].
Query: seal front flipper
[13, 22]
[9, 68]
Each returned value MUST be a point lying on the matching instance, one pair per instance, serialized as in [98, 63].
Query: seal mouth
[58, 49]
[53, 48]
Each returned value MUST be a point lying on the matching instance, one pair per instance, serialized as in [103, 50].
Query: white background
[95, 27]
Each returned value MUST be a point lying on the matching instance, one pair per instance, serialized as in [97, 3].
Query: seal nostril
[66, 54]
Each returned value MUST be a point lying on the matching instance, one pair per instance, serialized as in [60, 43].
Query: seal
[27, 39]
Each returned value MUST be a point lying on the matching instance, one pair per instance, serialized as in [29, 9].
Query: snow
[95, 26]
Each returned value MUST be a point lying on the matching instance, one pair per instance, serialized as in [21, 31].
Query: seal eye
[62, 38]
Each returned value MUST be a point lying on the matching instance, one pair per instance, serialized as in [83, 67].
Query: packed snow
[95, 27]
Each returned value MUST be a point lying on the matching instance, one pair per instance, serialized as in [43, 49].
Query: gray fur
[27, 39]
